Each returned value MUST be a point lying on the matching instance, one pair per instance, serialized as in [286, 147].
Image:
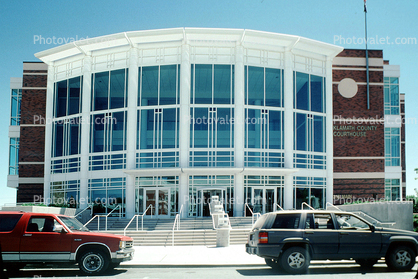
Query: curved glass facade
[168, 125]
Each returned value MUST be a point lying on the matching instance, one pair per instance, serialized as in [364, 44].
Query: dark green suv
[289, 239]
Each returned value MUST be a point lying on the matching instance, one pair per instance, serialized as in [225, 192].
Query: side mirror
[372, 228]
[59, 229]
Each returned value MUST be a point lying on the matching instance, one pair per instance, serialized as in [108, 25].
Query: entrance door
[264, 199]
[159, 198]
[205, 197]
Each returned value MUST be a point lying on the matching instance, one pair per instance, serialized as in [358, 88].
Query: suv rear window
[260, 222]
[8, 221]
[286, 221]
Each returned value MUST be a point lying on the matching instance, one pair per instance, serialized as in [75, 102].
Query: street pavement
[234, 255]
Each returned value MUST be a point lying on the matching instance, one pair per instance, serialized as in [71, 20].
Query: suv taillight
[263, 237]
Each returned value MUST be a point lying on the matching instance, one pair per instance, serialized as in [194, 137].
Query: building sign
[353, 131]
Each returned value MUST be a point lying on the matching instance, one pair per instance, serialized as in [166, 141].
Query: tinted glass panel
[118, 130]
[317, 96]
[275, 129]
[301, 132]
[224, 127]
[101, 91]
[149, 86]
[170, 122]
[319, 135]
[286, 221]
[74, 95]
[253, 119]
[9, 221]
[273, 87]
[203, 84]
[302, 91]
[98, 133]
[222, 84]
[59, 139]
[117, 89]
[74, 137]
[168, 85]
[201, 133]
[255, 86]
[147, 126]
[61, 98]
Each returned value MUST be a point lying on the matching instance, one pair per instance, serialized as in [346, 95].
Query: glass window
[101, 91]
[391, 95]
[16, 99]
[274, 86]
[170, 128]
[286, 221]
[74, 95]
[275, 130]
[14, 156]
[317, 94]
[117, 89]
[350, 222]
[318, 134]
[149, 86]
[392, 147]
[255, 94]
[311, 190]
[222, 84]
[118, 131]
[168, 85]
[203, 84]
[200, 132]
[301, 137]
[302, 91]
[66, 139]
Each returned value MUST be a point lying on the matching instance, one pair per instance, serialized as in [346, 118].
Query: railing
[142, 220]
[276, 205]
[331, 205]
[374, 220]
[82, 211]
[104, 216]
[257, 215]
[176, 222]
[304, 203]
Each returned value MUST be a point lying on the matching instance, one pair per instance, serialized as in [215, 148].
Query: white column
[48, 131]
[239, 127]
[131, 132]
[329, 134]
[184, 137]
[288, 129]
[85, 131]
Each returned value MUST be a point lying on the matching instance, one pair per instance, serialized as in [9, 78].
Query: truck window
[41, 224]
[286, 221]
[8, 221]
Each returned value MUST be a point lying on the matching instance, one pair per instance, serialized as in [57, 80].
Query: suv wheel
[401, 258]
[273, 263]
[366, 263]
[295, 260]
[93, 262]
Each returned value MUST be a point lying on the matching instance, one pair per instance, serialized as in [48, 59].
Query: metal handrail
[118, 206]
[331, 205]
[89, 206]
[304, 203]
[374, 219]
[277, 206]
[142, 221]
[104, 216]
[252, 214]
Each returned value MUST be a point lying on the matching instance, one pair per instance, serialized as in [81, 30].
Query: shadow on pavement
[57, 273]
[266, 271]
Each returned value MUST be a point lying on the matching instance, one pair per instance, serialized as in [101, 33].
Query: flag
[365, 7]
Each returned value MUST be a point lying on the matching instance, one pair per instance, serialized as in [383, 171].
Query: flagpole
[367, 56]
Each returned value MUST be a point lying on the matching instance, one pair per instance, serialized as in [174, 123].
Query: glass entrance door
[159, 198]
[205, 198]
[265, 199]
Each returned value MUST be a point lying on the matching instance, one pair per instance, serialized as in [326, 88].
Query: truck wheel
[273, 263]
[113, 266]
[401, 258]
[366, 263]
[295, 260]
[93, 262]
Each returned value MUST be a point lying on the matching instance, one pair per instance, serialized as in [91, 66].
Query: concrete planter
[42, 209]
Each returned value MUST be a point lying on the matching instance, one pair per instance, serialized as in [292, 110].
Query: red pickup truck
[52, 238]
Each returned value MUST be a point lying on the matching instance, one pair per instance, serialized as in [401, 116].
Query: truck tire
[400, 258]
[295, 260]
[273, 263]
[93, 262]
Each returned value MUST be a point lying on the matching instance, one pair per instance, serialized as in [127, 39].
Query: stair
[192, 231]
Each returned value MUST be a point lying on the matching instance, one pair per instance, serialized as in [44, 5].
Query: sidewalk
[193, 255]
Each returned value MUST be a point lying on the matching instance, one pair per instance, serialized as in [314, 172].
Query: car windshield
[73, 224]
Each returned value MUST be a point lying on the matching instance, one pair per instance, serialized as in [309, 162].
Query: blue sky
[331, 21]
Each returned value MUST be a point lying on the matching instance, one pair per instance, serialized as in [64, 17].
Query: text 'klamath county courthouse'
[170, 118]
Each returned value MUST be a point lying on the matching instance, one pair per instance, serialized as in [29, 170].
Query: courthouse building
[172, 117]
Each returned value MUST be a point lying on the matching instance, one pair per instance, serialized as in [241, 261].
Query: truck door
[39, 242]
